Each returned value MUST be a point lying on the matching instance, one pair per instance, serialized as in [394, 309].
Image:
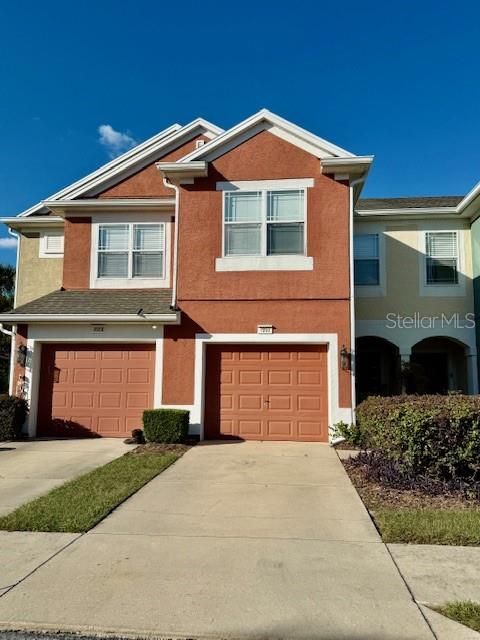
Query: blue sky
[398, 80]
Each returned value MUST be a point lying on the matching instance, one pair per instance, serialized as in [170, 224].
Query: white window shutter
[52, 243]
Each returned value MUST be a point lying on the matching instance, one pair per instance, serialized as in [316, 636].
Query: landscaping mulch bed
[346, 445]
[161, 449]
[414, 516]
[376, 495]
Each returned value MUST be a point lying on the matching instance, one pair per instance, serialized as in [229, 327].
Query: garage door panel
[246, 401]
[82, 400]
[111, 376]
[102, 389]
[249, 428]
[137, 400]
[280, 429]
[280, 403]
[280, 395]
[279, 377]
[250, 377]
[309, 378]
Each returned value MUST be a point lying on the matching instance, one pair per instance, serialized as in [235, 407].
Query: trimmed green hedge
[166, 425]
[432, 435]
[13, 412]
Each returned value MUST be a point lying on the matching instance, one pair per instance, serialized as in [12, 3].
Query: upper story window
[51, 244]
[441, 259]
[366, 259]
[130, 250]
[264, 223]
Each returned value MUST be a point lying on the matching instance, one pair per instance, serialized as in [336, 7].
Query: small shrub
[350, 432]
[13, 412]
[433, 436]
[166, 425]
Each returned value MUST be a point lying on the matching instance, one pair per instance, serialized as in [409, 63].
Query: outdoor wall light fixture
[22, 355]
[345, 359]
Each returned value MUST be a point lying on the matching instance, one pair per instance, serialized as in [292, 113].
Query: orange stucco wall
[264, 157]
[148, 182]
[304, 316]
[76, 260]
[314, 301]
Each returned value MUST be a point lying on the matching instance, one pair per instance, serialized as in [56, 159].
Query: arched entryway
[437, 365]
[377, 368]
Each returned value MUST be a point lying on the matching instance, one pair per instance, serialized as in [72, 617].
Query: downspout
[353, 184]
[14, 328]
[170, 185]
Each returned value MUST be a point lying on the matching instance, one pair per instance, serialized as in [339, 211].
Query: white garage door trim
[335, 412]
[37, 334]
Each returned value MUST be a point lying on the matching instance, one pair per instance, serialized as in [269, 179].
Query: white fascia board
[183, 172]
[28, 223]
[165, 318]
[80, 207]
[132, 157]
[468, 203]
[213, 149]
[418, 211]
[356, 165]
[109, 166]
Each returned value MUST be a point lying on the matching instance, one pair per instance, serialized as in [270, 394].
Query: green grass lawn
[467, 613]
[81, 503]
[429, 526]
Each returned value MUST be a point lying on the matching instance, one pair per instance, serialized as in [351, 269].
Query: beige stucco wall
[403, 271]
[36, 276]
[403, 291]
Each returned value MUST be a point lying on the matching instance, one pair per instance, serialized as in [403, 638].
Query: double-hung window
[366, 259]
[131, 250]
[264, 223]
[441, 257]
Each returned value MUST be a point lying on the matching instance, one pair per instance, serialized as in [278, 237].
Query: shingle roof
[408, 203]
[101, 302]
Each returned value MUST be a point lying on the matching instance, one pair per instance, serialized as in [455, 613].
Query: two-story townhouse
[414, 294]
[205, 269]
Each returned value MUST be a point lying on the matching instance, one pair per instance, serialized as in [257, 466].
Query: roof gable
[261, 121]
[130, 162]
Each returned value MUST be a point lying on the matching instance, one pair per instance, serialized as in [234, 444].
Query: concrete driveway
[240, 540]
[29, 469]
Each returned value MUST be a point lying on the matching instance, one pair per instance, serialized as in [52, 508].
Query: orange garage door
[266, 393]
[94, 389]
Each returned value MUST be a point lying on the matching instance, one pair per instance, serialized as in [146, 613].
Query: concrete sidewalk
[240, 540]
[31, 468]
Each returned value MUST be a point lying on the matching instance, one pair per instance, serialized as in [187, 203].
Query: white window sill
[443, 290]
[129, 283]
[369, 291]
[264, 263]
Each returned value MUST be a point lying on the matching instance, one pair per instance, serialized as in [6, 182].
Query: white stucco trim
[202, 340]
[264, 263]
[39, 334]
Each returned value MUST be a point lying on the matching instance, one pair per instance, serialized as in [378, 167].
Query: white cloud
[8, 243]
[116, 142]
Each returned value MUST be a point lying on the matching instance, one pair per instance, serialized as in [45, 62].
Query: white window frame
[43, 248]
[378, 290]
[263, 261]
[377, 258]
[264, 222]
[144, 282]
[441, 289]
[427, 257]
